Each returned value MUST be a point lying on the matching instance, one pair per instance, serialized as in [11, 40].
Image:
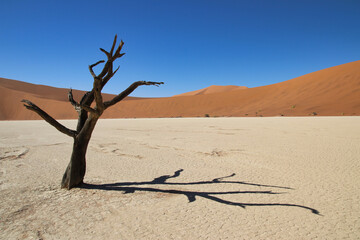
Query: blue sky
[188, 44]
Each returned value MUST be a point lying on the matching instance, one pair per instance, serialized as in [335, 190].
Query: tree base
[69, 182]
[75, 171]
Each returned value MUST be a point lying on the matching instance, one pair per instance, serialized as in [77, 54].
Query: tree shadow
[131, 187]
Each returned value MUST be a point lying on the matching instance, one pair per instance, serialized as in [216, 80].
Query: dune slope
[333, 91]
[211, 89]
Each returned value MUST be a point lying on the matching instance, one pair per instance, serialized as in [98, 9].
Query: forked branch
[79, 106]
[29, 105]
[107, 71]
[128, 91]
[101, 79]
[117, 53]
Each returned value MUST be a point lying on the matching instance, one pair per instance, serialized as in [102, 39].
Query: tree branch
[117, 53]
[29, 105]
[108, 68]
[109, 76]
[113, 46]
[88, 109]
[128, 91]
[93, 65]
[73, 102]
[105, 69]
[79, 106]
[106, 53]
[98, 98]
[116, 70]
[85, 97]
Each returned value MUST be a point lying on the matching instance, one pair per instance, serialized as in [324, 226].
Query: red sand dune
[330, 92]
[211, 89]
[52, 100]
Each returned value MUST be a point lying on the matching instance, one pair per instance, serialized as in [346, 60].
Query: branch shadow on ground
[131, 187]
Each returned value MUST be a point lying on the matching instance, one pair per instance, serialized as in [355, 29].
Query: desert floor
[196, 178]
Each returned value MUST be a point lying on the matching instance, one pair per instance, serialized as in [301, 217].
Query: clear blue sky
[188, 44]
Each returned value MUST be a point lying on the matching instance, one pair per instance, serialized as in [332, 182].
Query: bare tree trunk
[75, 171]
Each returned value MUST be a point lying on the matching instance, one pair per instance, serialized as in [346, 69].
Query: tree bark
[75, 171]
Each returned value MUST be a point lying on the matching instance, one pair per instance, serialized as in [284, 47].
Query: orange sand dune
[43, 91]
[211, 89]
[52, 100]
[333, 91]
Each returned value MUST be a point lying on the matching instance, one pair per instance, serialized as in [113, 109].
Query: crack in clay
[13, 153]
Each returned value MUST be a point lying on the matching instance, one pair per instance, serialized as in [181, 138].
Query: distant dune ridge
[333, 91]
[211, 89]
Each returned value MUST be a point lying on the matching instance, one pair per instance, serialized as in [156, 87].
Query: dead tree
[88, 115]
